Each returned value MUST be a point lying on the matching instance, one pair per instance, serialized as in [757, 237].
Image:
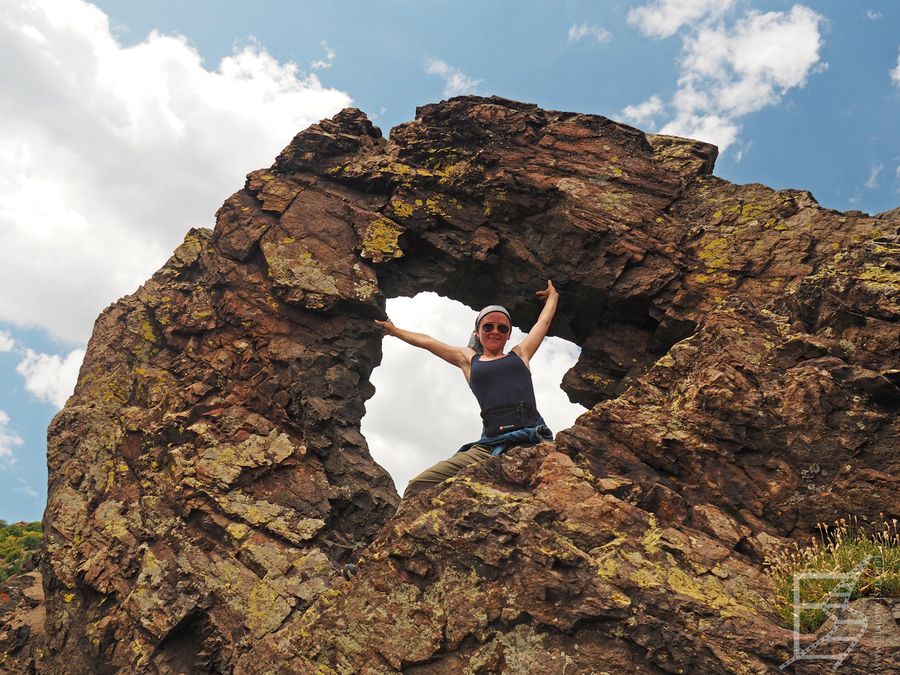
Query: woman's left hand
[548, 292]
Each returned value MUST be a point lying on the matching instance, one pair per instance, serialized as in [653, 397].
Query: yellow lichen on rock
[598, 379]
[266, 609]
[706, 589]
[713, 253]
[381, 240]
[492, 200]
[190, 248]
[651, 536]
[237, 531]
[401, 208]
[606, 566]
[644, 578]
[880, 277]
[433, 206]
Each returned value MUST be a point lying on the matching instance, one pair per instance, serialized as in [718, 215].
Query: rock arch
[208, 474]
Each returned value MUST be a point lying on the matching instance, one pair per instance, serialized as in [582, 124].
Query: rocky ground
[208, 477]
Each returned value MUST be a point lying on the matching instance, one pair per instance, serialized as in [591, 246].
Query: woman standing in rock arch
[500, 381]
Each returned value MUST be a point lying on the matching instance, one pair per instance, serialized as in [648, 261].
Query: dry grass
[838, 549]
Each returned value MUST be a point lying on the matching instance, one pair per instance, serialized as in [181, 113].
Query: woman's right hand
[387, 327]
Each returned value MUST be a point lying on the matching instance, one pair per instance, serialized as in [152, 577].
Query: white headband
[487, 310]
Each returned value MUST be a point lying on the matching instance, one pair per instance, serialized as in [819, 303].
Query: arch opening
[423, 410]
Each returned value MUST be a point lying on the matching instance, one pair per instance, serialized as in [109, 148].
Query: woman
[501, 383]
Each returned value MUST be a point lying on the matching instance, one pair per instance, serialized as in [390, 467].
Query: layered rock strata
[739, 358]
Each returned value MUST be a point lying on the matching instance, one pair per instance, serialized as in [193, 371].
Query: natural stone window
[423, 410]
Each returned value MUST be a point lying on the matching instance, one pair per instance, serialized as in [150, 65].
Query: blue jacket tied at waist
[525, 436]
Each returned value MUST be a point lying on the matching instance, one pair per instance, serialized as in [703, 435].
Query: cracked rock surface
[208, 477]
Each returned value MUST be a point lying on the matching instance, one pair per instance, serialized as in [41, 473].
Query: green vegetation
[838, 549]
[17, 542]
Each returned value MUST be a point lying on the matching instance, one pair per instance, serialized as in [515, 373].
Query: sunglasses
[502, 328]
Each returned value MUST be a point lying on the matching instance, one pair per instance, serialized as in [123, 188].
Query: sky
[124, 123]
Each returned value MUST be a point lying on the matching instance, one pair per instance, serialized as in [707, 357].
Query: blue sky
[126, 122]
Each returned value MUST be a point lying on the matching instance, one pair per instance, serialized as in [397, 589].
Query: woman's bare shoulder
[468, 354]
[520, 352]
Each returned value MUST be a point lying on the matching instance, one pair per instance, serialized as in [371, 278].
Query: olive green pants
[446, 469]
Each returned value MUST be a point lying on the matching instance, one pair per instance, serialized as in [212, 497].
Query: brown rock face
[208, 477]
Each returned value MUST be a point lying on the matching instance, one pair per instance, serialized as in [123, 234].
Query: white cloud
[728, 71]
[663, 18]
[895, 73]
[109, 154]
[872, 14]
[643, 113]
[49, 377]
[6, 341]
[456, 82]
[872, 180]
[327, 61]
[582, 30]
[747, 67]
[720, 131]
[423, 410]
[8, 440]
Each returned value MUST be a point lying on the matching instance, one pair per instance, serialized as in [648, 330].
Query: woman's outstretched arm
[527, 347]
[457, 356]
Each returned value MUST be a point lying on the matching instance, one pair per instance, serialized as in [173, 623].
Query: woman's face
[495, 339]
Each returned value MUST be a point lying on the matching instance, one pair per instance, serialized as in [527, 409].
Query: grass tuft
[838, 548]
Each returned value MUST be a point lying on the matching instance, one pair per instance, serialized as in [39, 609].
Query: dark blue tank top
[505, 393]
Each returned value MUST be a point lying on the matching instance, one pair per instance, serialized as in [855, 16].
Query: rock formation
[208, 477]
